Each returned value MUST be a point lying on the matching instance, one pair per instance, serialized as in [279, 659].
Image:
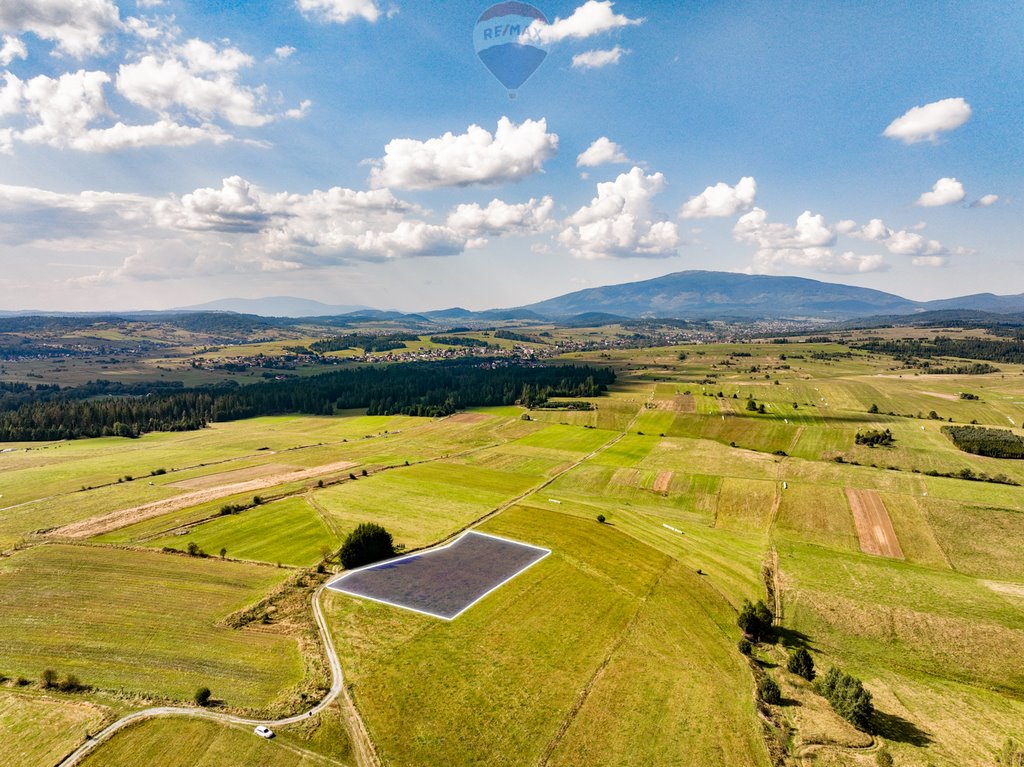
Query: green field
[37, 731]
[143, 623]
[618, 649]
[290, 532]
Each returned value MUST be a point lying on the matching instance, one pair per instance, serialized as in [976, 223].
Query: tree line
[422, 389]
[1010, 351]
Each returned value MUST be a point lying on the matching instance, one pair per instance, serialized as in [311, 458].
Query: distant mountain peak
[275, 306]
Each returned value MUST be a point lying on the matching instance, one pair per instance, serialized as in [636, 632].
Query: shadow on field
[900, 730]
[792, 639]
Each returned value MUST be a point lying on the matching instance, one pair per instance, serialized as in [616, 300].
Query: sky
[165, 153]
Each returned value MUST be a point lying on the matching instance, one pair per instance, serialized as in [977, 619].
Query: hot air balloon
[507, 45]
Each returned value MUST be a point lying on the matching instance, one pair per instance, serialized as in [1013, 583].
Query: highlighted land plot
[446, 581]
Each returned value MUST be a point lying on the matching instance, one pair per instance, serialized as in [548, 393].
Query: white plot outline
[332, 585]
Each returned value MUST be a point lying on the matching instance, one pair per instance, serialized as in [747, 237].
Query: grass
[290, 532]
[497, 684]
[69, 608]
[37, 731]
[180, 742]
[661, 693]
[421, 504]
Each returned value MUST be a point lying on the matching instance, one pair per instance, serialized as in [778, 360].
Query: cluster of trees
[422, 389]
[875, 438]
[1010, 351]
[565, 405]
[511, 335]
[459, 341]
[994, 443]
[368, 342]
[968, 396]
[966, 369]
[753, 407]
[367, 544]
[848, 698]
[755, 620]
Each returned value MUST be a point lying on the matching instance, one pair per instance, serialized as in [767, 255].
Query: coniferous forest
[421, 389]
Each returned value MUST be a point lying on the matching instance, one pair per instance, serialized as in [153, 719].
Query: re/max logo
[529, 34]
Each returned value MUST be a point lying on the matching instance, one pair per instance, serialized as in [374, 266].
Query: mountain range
[690, 295]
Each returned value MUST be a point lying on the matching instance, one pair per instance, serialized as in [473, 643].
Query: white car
[264, 732]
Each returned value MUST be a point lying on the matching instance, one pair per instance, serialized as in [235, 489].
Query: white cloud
[284, 52]
[12, 48]
[619, 222]
[945, 191]
[160, 133]
[474, 157]
[339, 11]
[721, 200]
[930, 261]
[500, 217]
[591, 18]
[199, 79]
[77, 27]
[598, 58]
[985, 201]
[62, 112]
[602, 151]
[899, 242]
[239, 227]
[808, 245]
[925, 123]
[811, 230]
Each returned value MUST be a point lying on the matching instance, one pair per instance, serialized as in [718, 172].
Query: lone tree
[202, 696]
[368, 543]
[755, 620]
[802, 664]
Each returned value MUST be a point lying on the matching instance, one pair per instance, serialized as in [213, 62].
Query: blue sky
[155, 154]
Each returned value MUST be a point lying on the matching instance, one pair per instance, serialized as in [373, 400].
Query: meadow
[620, 647]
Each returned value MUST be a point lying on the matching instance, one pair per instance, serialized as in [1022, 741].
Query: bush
[600, 518]
[768, 691]
[745, 647]
[202, 696]
[368, 543]
[883, 759]
[848, 697]
[70, 684]
[802, 664]
[48, 679]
